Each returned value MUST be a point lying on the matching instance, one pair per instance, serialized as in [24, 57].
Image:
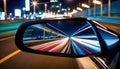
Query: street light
[86, 6]
[68, 9]
[45, 8]
[98, 3]
[80, 9]
[5, 10]
[34, 3]
[74, 11]
[109, 7]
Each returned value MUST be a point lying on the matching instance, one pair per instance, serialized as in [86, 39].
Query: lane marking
[9, 56]
[6, 38]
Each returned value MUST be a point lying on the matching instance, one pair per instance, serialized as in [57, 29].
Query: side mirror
[75, 37]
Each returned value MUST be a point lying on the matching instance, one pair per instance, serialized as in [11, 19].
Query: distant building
[27, 5]
[53, 0]
[2, 17]
[55, 6]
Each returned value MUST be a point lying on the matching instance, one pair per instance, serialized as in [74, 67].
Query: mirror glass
[68, 37]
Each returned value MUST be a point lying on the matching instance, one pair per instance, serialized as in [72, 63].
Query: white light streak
[86, 36]
[85, 5]
[96, 2]
[80, 9]
[90, 45]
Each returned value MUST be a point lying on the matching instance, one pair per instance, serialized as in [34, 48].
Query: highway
[23, 60]
[12, 58]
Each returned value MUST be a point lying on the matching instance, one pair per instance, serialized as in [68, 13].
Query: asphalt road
[12, 58]
[23, 60]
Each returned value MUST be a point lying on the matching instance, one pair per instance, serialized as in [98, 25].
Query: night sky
[19, 4]
[12, 4]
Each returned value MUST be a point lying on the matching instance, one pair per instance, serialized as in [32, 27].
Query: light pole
[89, 8]
[101, 12]
[68, 10]
[34, 3]
[5, 8]
[80, 9]
[86, 6]
[45, 8]
[109, 7]
[94, 10]
[99, 3]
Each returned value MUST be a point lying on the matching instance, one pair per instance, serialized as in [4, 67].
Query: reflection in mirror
[68, 37]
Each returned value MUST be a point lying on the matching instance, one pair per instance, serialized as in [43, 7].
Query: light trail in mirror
[53, 46]
[68, 37]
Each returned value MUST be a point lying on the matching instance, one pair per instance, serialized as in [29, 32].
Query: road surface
[23, 60]
[12, 58]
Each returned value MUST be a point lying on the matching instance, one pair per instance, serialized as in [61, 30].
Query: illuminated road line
[9, 56]
[88, 46]
[6, 38]
[60, 45]
[65, 48]
[81, 46]
[78, 49]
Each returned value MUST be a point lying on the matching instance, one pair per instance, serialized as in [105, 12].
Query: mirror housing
[96, 32]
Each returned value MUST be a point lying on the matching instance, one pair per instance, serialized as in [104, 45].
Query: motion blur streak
[88, 45]
[79, 50]
[6, 38]
[92, 42]
[61, 45]
[52, 46]
[82, 47]
[86, 63]
[86, 36]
